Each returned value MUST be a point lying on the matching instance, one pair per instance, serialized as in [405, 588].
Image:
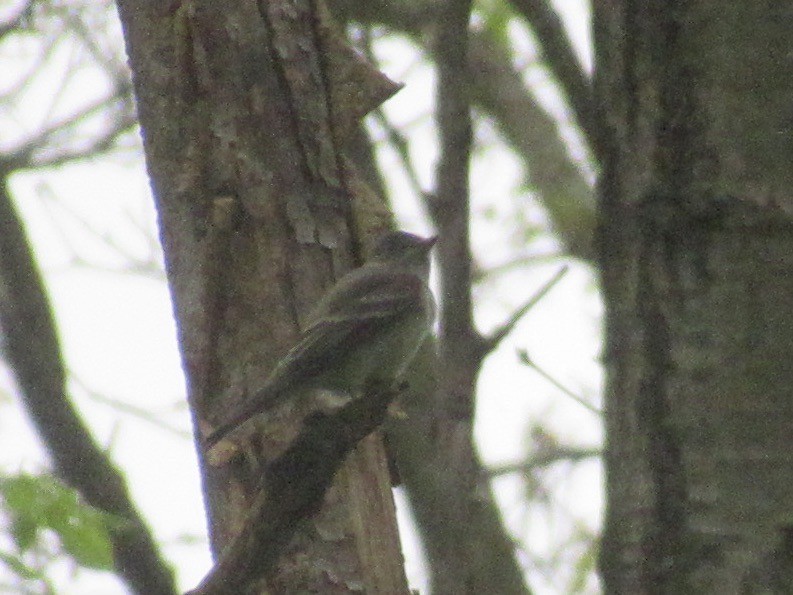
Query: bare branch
[124, 407]
[400, 144]
[455, 537]
[563, 62]
[23, 155]
[570, 454]
[33, 352]
[523, 355]
[291, 489]
[17, 21]
[499, 334]
[103, 143]
[558, 182]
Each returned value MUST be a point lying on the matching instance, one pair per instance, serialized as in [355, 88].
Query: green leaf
[24, 532]
[85, 538]
[18, 566]
[41, 502]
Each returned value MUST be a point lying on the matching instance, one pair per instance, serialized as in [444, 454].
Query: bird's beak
[430, 242]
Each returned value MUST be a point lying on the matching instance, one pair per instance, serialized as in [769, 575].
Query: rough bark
[696, 248]
[244, 108]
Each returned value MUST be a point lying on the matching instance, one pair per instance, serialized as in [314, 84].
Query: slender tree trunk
[697, 255]
[244, 107]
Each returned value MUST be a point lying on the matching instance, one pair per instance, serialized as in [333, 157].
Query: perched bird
[363, 334]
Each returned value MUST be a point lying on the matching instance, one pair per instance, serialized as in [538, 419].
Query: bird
[363, 333]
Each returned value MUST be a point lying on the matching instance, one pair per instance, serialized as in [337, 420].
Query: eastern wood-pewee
[363, 333]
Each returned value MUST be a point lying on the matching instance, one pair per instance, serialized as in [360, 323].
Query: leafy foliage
[47, 519]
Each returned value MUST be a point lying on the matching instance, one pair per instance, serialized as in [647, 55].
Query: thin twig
[501, 332]
[544, 459]
[129, 409]
[523, 355]
[401, 147]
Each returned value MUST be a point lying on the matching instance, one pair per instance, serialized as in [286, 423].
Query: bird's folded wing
[344, 320]
[347, 320]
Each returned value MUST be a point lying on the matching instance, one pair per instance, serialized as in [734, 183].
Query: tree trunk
[697, 256]
[244, 107]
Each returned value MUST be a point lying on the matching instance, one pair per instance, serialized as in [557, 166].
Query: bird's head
[403, 247]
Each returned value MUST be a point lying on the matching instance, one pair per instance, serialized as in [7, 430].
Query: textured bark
[243, 108]
[697, 256]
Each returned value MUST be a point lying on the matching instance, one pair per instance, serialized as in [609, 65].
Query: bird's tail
[259, 403]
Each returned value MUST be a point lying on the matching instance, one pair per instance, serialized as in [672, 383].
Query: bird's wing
[347, 318]
[348, 315]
